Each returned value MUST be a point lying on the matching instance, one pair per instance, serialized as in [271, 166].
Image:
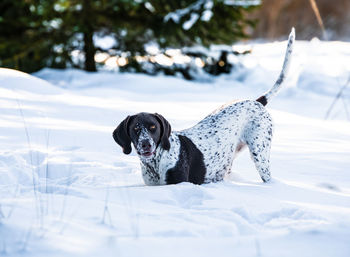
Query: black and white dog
[205, 152]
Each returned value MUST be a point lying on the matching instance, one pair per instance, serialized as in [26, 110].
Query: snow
[207, 13]
[206, 16]
[243, 2]
[66, 189]
[188, 24]
[177, 15]
[104, 42]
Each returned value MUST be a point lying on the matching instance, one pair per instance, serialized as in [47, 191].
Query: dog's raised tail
[264, 99]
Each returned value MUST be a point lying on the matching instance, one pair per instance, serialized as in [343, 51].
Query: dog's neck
[150, 166]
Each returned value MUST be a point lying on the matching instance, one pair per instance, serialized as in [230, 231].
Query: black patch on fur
[190, 166]
[262, 100]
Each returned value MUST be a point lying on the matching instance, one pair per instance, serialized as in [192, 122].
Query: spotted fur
[205, 152]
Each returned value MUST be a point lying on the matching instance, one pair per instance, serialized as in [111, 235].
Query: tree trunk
[89, 48]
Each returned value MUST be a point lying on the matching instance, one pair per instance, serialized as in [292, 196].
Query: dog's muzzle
[146, 147]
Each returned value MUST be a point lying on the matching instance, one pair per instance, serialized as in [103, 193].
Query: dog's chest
[154, 171]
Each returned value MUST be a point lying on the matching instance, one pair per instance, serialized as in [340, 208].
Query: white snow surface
[66, 188]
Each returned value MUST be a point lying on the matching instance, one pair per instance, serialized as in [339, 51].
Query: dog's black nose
[145, 145]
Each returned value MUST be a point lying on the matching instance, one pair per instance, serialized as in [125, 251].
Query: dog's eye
[152, 127]
[137, 129]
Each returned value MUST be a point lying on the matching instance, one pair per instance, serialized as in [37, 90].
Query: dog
[203, 153]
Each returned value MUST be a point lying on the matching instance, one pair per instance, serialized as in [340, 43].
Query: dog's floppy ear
[121, 135]
[165, 132]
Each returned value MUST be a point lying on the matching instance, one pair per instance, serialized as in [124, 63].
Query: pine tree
[45, 33]
[185, 23]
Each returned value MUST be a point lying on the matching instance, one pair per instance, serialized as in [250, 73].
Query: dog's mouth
[147, 154]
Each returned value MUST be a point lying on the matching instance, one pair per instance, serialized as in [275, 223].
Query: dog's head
[146, 131]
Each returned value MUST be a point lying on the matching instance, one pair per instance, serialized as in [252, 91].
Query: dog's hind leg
[261, 158]
[259, 144]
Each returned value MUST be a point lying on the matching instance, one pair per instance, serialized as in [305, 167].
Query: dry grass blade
[318, 17]
[340, 93]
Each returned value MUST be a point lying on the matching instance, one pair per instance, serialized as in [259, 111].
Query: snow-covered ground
[66, 189]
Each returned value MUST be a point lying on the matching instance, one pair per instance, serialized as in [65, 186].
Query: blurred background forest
[152, 36]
